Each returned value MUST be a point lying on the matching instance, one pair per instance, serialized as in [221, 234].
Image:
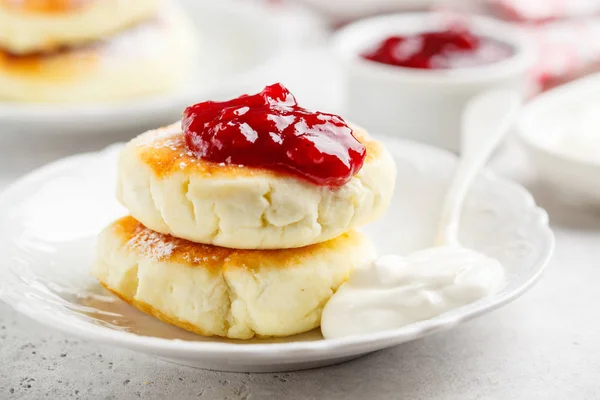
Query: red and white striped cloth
[544, 10]
[567, 32]
[566, 50]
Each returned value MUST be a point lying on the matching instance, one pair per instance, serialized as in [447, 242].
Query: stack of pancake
[231, 250]
[91, 50]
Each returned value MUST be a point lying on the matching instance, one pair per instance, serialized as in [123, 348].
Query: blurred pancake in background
[29, 26]
[151, 57]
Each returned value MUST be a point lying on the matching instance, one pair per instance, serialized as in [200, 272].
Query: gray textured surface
[543, 346]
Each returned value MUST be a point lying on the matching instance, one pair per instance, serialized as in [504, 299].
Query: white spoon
[395, 291]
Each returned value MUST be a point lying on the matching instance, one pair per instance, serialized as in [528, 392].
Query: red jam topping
[449, 49]
[270, 130]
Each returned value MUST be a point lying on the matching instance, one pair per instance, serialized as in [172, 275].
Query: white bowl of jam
[410, 75]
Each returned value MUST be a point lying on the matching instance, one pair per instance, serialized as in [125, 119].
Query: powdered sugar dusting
[151, 138]
[198, 260]
[151, 244]
[131, 43]
[171, 143]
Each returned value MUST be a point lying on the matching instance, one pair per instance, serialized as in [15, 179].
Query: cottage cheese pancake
[226, 292]
[170, 190]
[28, 26]
[149, 58]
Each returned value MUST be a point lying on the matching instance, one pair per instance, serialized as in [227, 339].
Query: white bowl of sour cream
[560, 131]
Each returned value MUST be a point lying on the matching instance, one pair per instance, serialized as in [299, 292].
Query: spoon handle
[485, 121]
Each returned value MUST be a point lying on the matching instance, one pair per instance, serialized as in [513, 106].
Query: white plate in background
[50, 218]
[559, 132]
[343, 10]
[237, 39]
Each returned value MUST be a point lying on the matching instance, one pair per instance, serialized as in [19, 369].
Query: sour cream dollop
[396, 291]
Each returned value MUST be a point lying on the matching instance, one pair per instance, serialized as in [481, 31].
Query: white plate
[349, 9]
[548, 130]
[49, 219]
[236, 41]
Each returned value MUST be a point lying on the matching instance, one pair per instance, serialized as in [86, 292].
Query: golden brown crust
[58, 65]
[166, 153]
[163, 247]
[64, 63]
[46, 6]
[169, 154]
